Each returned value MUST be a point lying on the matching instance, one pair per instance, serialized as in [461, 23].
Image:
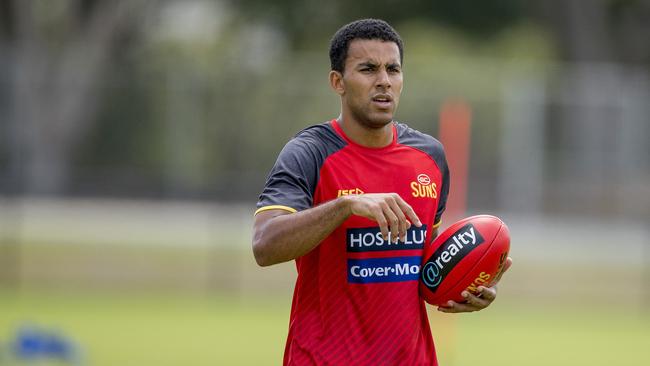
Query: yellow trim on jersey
[275, 207]
[435, 226]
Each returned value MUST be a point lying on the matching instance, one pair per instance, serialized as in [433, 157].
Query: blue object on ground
[35, 343]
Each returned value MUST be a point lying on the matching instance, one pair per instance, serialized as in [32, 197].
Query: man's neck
[364, 135]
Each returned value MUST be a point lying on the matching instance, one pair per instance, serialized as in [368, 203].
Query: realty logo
[460, 244]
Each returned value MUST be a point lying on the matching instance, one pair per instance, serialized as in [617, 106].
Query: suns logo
[424, 187]
[424, 179]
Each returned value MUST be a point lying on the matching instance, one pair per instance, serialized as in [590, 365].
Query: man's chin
[375, 119]
[379, 121]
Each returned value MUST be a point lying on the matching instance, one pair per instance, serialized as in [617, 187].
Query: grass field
[168, 286]
[164, 330]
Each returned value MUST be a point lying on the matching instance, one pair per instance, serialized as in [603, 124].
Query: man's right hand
[389, 210]
[280, 236]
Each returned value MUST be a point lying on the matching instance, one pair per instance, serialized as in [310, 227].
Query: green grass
[553, 335]
[133, 328]
[136, 329]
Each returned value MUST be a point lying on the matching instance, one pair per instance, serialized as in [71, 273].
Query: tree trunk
[54, 91]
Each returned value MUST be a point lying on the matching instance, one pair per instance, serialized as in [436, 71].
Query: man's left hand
[475, 302]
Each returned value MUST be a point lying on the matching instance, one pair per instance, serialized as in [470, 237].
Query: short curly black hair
[361, 29]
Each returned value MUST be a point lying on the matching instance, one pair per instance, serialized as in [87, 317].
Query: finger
[393, 221]
[408, 210]
[488, 293]
[456, 307]
[403, 222]
[506, 266]
[378, 214]
[476, 301]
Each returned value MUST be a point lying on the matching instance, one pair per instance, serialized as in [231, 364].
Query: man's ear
[336, 82]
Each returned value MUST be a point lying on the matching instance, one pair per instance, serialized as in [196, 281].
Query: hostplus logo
[459, 245]
[369, 239]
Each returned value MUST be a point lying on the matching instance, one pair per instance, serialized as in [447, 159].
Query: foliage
[304, 20]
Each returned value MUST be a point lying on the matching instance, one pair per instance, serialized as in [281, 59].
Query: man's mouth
[383, 100]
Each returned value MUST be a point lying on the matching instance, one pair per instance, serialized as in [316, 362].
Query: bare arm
[279, 236]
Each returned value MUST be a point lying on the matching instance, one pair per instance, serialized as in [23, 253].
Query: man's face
[372, 82]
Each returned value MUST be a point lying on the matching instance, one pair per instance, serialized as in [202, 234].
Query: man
[354, 201]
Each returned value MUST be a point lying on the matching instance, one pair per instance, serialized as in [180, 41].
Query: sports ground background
[135, 137]
[177, 284]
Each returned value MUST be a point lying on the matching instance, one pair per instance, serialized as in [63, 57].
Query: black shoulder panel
[293, 179]
[432, 147]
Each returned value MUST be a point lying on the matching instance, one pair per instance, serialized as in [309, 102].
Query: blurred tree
[598, 30]
[56, 52]
[303, 19]
[187, 95]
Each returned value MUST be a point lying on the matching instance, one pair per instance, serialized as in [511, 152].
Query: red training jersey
[356, 297]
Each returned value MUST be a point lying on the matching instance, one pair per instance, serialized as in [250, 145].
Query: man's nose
[383, 81]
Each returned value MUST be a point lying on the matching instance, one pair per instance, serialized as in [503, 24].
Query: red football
[470, 253]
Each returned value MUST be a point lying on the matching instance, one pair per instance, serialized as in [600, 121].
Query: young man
[354, 201]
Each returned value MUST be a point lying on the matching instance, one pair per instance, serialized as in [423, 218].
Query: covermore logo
[375, 270]
[461, 243]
